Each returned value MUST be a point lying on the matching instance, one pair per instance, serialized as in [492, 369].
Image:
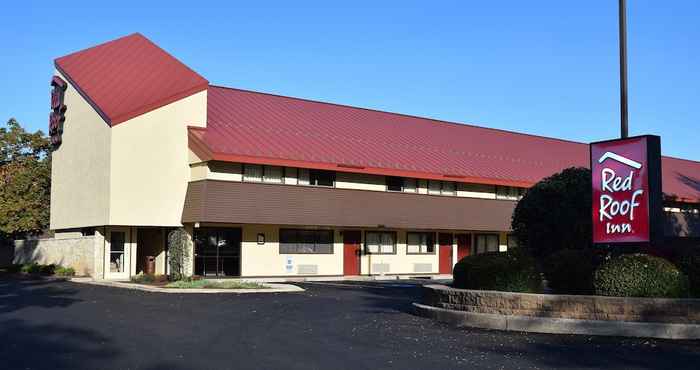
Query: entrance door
[217, 251]
[464, 245]
[445, 241]
[351, 252]
[118, 254]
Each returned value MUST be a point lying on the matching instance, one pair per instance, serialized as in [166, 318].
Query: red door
[351, 252]
[445, 241]
[464, 245]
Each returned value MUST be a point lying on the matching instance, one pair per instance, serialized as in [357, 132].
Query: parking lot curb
[271, 288]
[557, 325]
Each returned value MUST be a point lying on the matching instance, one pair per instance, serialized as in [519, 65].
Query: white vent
[307, 269]
[378, 268]
[422, 267]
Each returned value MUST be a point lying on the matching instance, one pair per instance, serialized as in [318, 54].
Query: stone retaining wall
[77, 253]
[564, 306]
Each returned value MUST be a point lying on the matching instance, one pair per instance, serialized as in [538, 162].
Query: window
[383, 242]
[512, 241]
[258, 173]
[441, 187]
[321, 178]
[486, 243]
[252, 172]
[116, 251]
[394, 183]
[272, 174]
[420, 243]
[509, 192]
[299, 241]
[409, 185]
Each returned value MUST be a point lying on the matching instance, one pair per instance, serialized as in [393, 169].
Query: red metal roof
[253, 127]
[129, 76]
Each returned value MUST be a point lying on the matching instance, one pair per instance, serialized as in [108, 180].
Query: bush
[689, 263]
[64, 271]
[555, 213]
[570, 271]
[178, 253]
[47, 269]
[31, 268]
[512, 271]
[640, 275]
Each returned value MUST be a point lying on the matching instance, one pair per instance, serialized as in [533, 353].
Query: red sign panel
[58, 110]
[624, 174]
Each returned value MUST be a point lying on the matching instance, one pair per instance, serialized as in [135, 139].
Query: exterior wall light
[261, 238]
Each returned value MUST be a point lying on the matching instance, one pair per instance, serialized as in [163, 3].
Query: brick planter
[658, 310]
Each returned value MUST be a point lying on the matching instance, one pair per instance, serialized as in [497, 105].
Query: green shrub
[570, 271]
[31, 268]
[143, 278]
[47, 269]
[689, 263]
[555, 213]
[512, 271]
[64, 271]
[178, 253]
[640, 275]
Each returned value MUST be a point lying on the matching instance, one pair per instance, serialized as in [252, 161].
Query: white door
[118, 256]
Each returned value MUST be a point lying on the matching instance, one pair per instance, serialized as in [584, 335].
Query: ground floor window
[217, 251]
[420, 243]
[300, 241]
[380, 242]
[486, 243]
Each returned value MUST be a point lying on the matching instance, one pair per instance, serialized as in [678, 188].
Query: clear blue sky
[540, 67]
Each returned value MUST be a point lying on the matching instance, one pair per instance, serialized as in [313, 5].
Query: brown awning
[256, 203]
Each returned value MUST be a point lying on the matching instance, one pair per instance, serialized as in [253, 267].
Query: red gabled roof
[253, 127]
[129, 76]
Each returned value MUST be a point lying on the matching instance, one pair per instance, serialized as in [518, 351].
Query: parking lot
[334, 325]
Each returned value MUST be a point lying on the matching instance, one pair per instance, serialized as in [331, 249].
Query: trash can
[150, 265]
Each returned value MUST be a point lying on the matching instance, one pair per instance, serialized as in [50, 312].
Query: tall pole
[623, 69]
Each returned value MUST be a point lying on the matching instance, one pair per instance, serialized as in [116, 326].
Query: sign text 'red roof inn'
[626, 176]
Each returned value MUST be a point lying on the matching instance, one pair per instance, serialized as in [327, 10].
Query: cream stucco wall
[80, 167]
[265, 260]
[149, 164]
[401, 262]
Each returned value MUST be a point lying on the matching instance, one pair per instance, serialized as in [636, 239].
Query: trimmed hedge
[512, 271]
[640, 275]
[570, 271]
[689, 262]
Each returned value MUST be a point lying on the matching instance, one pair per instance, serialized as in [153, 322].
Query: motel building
[270, 186]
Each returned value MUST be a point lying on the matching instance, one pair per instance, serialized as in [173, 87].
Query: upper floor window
[420, 243]
[410, 185]
[321, 178]
[258, 173]
[437, 187]
[394, 183]
[380, 242]
[509, 192]
[486, 243]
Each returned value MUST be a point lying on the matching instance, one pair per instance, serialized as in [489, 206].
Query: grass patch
[207, 284]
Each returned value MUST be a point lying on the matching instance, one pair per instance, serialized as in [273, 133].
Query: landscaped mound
[512, 271]
[640, 275]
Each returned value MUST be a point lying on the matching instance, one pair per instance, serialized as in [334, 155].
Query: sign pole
[623, 68]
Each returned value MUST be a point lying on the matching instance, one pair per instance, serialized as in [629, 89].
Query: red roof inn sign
[626, 176]
[58, 110]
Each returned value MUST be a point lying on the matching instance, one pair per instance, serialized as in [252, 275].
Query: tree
[25, 181]
[555, 214]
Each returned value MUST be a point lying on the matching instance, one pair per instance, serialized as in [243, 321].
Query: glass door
[118, 259]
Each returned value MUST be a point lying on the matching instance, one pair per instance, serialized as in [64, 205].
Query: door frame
[219, 266]
[358, 258]
[126, 269]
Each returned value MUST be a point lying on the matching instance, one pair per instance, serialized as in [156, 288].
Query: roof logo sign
[621, 159]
